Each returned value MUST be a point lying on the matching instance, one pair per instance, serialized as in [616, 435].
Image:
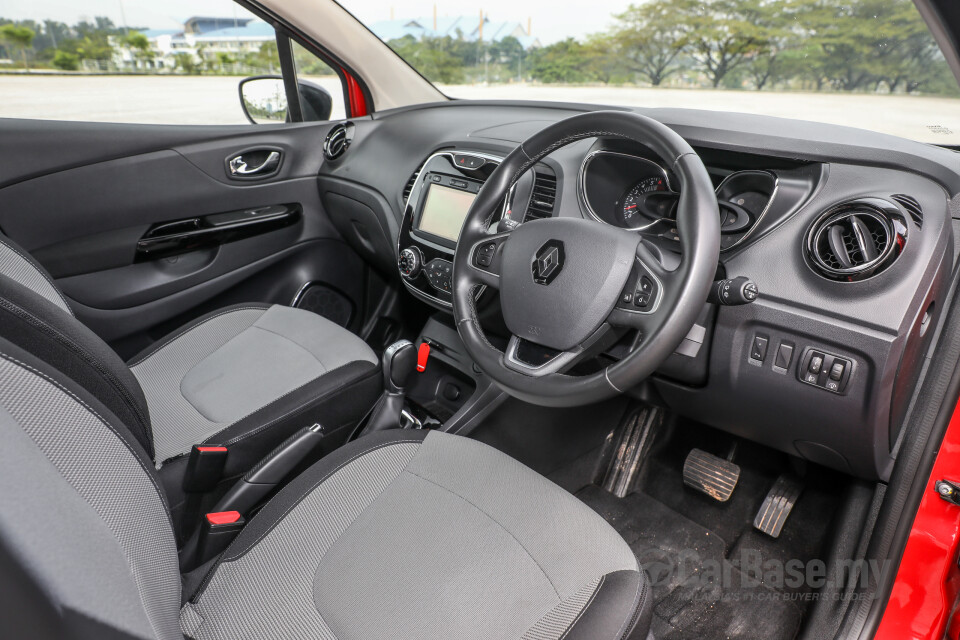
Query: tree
[650, 40]
[435, 58]
[18, 38]
[721, 34]
[140, 46]
[66, 61]
[562, 61]
[771, 62]
[186, 63]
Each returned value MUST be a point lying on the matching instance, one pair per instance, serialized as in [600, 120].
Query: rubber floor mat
[698, 593]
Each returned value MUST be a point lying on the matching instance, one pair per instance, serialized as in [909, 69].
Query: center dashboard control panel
[440, 275]
[440, 196]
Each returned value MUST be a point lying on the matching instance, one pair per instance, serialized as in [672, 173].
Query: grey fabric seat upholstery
[398, 535]
[226, 366]
[246, 376]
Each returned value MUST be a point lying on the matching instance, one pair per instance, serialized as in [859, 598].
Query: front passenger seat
[247, 376]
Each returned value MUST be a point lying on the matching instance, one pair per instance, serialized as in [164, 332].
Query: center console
[444, 189]
[439, 199]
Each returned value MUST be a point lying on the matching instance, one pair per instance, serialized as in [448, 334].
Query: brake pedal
[710, 475]
[777, 506]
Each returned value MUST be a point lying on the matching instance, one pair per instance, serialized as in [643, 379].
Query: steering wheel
[568, 284]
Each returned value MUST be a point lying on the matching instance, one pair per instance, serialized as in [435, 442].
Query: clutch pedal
[777, 506]
[710, 475]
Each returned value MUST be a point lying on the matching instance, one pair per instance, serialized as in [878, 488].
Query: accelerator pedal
[777, 505]
[710, 475]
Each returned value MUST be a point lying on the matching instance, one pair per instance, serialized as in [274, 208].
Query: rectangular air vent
[407, 188]
[543, 198]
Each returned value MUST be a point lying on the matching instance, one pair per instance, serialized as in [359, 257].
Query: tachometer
[635, 214]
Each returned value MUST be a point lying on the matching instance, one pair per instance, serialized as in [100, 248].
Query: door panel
[86, 193]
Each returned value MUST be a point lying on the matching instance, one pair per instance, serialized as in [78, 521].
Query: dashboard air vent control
[911, 206]
[338, 140]
[856, 240]
[543, 198]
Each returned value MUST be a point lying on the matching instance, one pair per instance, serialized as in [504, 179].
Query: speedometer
[633, 203]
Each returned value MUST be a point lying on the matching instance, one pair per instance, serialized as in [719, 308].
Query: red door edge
[925, 592]
[355, 97]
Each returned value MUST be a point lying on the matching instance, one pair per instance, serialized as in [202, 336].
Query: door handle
[238, 166]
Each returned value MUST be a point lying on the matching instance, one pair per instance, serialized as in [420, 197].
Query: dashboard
[847, 235]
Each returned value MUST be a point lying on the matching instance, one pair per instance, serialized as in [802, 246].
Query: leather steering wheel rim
[681, 294]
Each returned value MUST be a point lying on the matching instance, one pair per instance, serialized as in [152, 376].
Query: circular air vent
[338, 140]
[856, 240]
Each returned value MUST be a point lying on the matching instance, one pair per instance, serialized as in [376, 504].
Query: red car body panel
[924, 596]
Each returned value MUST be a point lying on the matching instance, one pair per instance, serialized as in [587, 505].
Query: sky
[551, 20]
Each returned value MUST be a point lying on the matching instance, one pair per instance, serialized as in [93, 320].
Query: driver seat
[399, 535]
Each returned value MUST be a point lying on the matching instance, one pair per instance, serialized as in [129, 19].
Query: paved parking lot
[214, 100]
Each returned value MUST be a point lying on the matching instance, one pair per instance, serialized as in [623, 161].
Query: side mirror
[317, 102]
[264, 100]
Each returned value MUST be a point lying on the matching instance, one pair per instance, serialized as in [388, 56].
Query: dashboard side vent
[543, 198]
[911, 206]
[407, 188]
[337, 141]
[856, 240]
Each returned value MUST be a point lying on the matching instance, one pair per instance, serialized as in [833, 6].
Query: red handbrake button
[422, 355]
[223, 517]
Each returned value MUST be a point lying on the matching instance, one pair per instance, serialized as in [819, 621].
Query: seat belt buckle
[217, 531]
[204, 468]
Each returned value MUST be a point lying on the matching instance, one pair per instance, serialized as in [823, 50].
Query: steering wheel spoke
[536, 361]
[644, 300]
[486, 257]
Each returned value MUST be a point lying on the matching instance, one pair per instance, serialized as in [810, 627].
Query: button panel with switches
[824, 370]
[440, 274]
[641, 293]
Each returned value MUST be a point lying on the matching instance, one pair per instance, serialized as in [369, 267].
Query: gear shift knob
[399, 361]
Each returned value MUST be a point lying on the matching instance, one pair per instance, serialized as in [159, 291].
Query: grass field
[214, 100]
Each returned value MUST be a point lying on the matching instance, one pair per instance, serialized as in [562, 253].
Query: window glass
[128, 61]
[865, 63]
[311, 70]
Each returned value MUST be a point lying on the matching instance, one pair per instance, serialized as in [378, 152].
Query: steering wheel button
[645, 285]
[626, 298]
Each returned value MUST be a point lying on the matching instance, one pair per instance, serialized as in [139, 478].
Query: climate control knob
[410, 262]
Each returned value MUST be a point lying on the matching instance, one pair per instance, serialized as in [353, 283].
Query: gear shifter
[399, 361]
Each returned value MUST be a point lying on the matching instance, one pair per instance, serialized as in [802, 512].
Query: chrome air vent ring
[338, 140]
[856, 240]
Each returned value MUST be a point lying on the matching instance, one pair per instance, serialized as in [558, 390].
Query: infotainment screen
[444, 210]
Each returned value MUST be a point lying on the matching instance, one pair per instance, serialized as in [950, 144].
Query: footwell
[704, 587]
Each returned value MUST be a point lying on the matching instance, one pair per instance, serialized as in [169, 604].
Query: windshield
[865, 63]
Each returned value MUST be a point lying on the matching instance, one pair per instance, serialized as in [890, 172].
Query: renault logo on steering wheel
[548, 262]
